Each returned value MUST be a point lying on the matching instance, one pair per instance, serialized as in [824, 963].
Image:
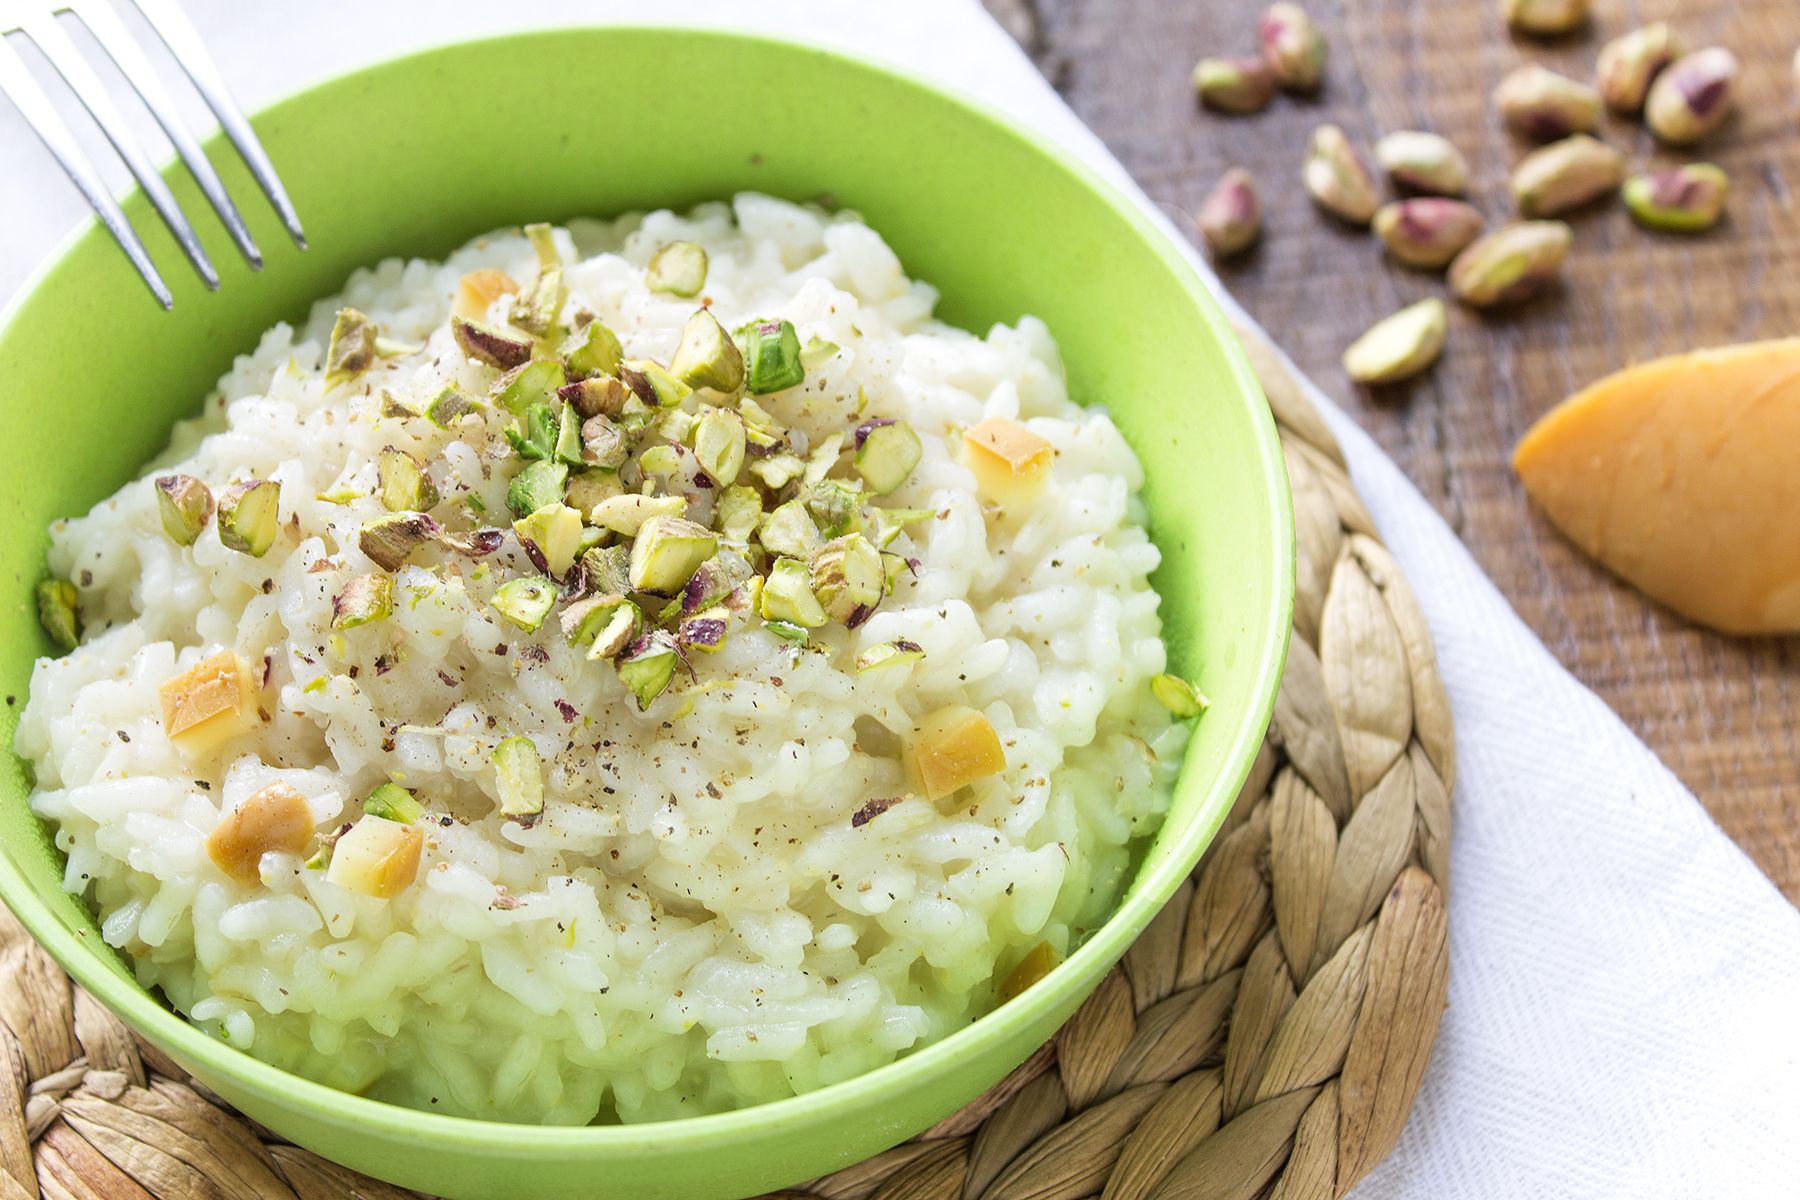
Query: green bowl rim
[164, 1026]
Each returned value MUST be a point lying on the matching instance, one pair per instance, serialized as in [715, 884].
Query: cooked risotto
[625, 671]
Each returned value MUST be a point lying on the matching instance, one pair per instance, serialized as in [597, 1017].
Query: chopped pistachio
[519, 779]
[537, 308]
[475, 503]
[1179, 696]
[490, 344]
[567, 447]
[890, 522]
[364, 599]
[712, 582]
[848, 577]
[585, 490]
[706, 356]
[555, 529]
[662, 460]
[449, 406]
[58, 612]
[275, 819]
[596, 396]
[525, 602]
[387, 347]
[889, 654]
[475, 543]
[836, 504]
[376, 857]
[248, 516]
[886, 453]
[392, 406]
[533, 436]
[951, 748]
[787, 595]
[787, 631]
[737, 512]
[789, 530]
[627, 514]
[594, 351]
[477, 291]
[607, 569]
[678, 268]
[606, 624]
[771, 356]
[402, 482]
[390, 540]
[209, 703]
[719, 445]
[894, 564]
[761, 431]
[823, 457]
[778, 470]
[817, 351]
[603, 444]
[647, 666]
[537, 382]
[1400, 346]
[540, 483]
[667, 552]
[391, 802]
[185, 505]
[704, 631]
[653, 383]
[352, 347]
[343, 494]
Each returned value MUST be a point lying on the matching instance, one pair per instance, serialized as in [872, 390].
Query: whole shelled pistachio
[1428, 231]
[1510, 265]
[1337, 178]
[1231, 218]
[248, 520]
[1630, 63]
[1423, 162]
[1234, 85]
[1545, 106]
[1545, 18]
[1566, 175]
[1292, 46]
[1686, 199]
[1399, 346]
[1692, 97]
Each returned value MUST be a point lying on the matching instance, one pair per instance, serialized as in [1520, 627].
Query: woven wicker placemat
[1264, 1037]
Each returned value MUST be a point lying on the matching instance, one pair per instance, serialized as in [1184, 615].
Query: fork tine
[184, 43]
[110, 32]
[16, 82]
[41, 27]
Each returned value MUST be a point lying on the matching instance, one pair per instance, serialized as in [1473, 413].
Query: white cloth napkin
[1624, 1013]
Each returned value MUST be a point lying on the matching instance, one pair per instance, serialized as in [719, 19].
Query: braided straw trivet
[1264, 1037]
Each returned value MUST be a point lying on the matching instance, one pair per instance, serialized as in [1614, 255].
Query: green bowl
[415, 156]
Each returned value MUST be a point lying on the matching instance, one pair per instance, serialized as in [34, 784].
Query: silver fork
[37, 21]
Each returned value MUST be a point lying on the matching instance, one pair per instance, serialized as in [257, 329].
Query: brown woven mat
[1264, 1037]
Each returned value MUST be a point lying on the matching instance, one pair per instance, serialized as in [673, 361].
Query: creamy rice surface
[739, 892]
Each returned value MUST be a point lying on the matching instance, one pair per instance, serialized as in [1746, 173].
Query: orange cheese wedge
[1682, 476]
